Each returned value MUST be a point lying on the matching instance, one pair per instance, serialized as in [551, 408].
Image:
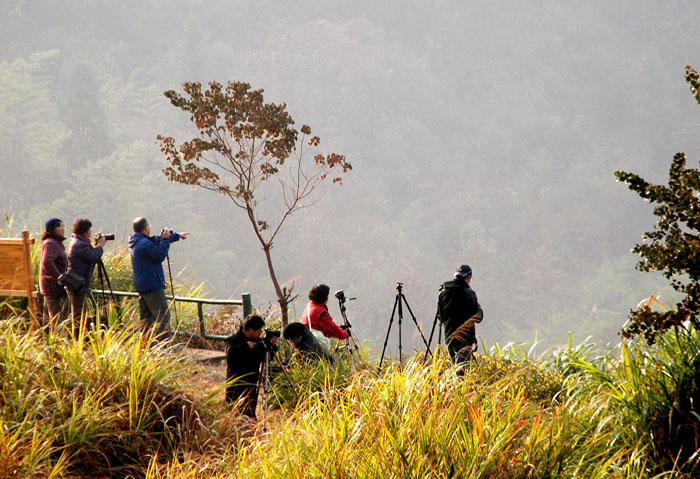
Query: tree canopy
[674, 245]
[243, 144]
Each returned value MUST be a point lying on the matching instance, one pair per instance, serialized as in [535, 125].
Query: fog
[479, 132]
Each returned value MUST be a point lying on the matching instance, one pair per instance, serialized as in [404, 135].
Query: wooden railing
[245, 301]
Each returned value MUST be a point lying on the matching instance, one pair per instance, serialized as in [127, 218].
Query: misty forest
[481, 133]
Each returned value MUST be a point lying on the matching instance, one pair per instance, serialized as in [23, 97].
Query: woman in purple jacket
[52, 265]
[82, 258]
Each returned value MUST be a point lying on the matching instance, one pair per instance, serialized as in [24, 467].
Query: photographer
[459, 311]
[316, 316]
[305, 342]
[147, 256]
[244, 353]
[82, 258]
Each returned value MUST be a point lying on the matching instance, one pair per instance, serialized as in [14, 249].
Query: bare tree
[243, 145]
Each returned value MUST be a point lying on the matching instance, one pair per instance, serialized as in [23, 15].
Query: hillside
[113, 404]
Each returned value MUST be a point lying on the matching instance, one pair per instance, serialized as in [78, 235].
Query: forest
[485, 134]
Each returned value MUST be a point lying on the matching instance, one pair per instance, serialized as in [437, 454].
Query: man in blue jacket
[147, 255]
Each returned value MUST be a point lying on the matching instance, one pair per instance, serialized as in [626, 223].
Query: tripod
[172, 288]
[350, 342]
[267, 372]
[103, 276]
[400, 299]
[266, 384]
[436, 321]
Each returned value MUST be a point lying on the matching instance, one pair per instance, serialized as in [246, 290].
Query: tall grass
[102, 402]
[497, 421]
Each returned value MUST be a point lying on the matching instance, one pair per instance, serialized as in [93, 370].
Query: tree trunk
[281, 297]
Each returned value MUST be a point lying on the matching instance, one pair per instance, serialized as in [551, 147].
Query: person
[459, 311]
[316, 316]
[304, 341]
[82, 258]
[52, 264]
[245, 352]
[147, 256]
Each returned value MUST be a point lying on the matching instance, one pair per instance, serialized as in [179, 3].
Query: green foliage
[674, 245]
[658, 390]
[302, 377]
[536, 381]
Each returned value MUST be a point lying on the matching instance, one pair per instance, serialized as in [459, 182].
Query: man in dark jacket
[459, 311]
[244, 353]
[147, 256]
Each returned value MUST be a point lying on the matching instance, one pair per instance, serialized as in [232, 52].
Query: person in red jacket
[316, 316]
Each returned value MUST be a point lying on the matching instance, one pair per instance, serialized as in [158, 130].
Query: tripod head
[340, 295]
[399, 287]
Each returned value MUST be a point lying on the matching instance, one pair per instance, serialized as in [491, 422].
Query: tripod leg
[266, 387]
[430, 341]
[416, 322]
[398, 298]
[386, 340]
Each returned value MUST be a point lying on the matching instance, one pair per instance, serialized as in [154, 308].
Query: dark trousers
[55, 309]
[249, 394]
[153, 308]
[77, 306]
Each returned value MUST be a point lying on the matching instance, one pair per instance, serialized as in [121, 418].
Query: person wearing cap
[459, 311]
[52, 264]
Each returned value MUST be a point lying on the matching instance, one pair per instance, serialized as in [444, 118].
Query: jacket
[456, 304]
[147, 255]
[242, 361]
[316, 316]
[53, 263]
[82, 257]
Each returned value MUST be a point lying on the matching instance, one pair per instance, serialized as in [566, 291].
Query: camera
[164, 230]
[340, 295]
[106, 236]
[267, 339]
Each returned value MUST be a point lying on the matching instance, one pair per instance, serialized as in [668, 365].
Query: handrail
[245, 301]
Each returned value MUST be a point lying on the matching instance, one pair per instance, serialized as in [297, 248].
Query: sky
[484, 133]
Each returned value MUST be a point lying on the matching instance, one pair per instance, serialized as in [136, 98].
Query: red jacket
[316, 316]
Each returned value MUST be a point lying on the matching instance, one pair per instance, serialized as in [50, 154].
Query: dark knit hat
[51, 224]
[464, 271]
[293, 331]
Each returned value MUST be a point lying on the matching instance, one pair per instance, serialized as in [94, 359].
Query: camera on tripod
[340, 295]
[267, 339]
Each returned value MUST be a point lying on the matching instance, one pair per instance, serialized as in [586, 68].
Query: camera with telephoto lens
[267, 339]
[106, 236]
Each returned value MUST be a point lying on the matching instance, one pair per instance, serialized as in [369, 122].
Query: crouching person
[245, 352]
[305, 342]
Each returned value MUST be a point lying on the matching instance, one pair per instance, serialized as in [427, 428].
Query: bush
[99, 403]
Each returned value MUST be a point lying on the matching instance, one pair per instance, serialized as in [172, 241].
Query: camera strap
[311, 326]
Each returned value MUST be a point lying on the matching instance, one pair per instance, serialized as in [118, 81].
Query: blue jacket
[147, 255]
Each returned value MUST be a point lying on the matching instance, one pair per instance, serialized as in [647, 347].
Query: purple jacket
[53, 263]
[82, 257]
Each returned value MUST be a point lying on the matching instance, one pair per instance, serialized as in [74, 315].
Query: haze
[479, 132]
